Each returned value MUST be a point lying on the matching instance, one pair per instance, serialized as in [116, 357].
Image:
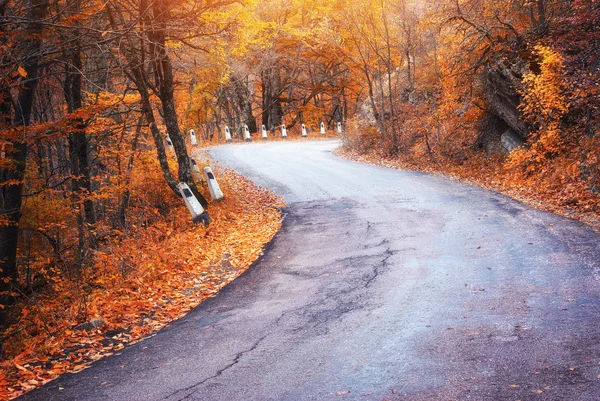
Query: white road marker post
[213, 185]
[339, 127]
[264, 132]
[304, 133]
[169, 143]
[228, 134]
[196, 170]
[193, 140]
[322, 128]
[283, 131]
[193, 205]
[247, 134]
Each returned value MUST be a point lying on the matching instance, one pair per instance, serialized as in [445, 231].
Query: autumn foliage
[92, 227]
[502, 96]
[138, 279]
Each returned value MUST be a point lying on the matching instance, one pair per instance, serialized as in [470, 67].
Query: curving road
[381, 285]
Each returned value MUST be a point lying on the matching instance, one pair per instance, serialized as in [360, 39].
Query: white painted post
[340, 127]
[247, 133]
[196, 170]
[283, 131]
[264, 132]
[169, 143]
[213, 185]
[193, 205]
[322, 128]
[228, 134]
[304, 133]
[193, 140]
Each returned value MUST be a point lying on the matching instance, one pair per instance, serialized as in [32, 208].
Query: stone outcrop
[505, 125]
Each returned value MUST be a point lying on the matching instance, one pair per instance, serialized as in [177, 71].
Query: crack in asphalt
[342, 306]
[219, 372]
[384, 263]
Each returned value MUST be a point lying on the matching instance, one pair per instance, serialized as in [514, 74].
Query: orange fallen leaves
[174, 266]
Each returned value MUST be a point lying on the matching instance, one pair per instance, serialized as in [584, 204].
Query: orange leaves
[144, 281]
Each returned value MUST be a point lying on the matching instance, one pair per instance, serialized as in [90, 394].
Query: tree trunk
[271, 104]
[243, 97]
[156, 134]
[138, 76]
[11, 195]
[122, 214]
[78, 140]
[163, 74]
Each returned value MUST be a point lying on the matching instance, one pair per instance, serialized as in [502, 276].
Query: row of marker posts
[208, 176]
[198, 213]
[264, 136]
[247, 136]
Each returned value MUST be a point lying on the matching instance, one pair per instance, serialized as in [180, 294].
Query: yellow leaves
[544, 103]
[22, 72]
[543, 92]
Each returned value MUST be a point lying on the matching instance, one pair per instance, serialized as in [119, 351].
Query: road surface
[381, 285]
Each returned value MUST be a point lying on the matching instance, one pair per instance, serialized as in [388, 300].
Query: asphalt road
[382, 284]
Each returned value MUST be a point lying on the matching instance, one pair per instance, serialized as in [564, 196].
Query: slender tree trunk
[156, 134]
[163, 74]
[138, 76]
[127, 193]
[78, 141]
[243, 97]
[271, 105]
[541, 7]
[11, 195]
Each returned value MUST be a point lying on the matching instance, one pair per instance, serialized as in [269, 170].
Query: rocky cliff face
[504, 128]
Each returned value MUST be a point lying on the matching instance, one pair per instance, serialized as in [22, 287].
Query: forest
[500, 93]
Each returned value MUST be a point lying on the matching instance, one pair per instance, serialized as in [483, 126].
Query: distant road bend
[382, 284]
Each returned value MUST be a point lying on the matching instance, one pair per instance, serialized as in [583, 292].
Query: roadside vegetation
[138, 279]
[502, 94]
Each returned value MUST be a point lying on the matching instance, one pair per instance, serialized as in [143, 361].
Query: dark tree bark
[165, 84]
[11, 194]
[122, 214]
[78, 141]
[243, 98]
[271, 104]
[137, 74]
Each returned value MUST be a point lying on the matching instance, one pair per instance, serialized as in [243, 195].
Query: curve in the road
[382, 284]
